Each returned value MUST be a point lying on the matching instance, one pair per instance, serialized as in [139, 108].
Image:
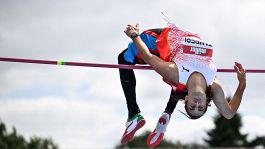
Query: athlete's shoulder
[216, 87]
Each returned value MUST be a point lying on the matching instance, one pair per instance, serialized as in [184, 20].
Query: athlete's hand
[241, 73]
[131, 29]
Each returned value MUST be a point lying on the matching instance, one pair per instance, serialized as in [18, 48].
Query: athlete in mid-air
[184, 61]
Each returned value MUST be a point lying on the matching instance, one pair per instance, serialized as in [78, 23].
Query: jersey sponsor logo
[197, 42]
[184, 69]
[197, 50]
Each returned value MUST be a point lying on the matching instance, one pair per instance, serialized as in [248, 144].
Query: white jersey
[194, 55]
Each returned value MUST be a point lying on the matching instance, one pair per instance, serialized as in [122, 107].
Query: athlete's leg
[172, 102]
[157, 135]
[130, 56]
[135, 119]
[128, 83]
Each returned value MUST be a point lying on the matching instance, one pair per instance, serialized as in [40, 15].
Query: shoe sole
[128, 137]
[157, 142]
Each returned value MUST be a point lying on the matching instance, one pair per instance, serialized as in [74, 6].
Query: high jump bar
[83, 64]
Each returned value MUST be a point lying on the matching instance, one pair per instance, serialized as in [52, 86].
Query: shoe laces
[162, 123]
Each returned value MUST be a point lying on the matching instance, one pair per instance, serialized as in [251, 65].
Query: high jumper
[185, 62]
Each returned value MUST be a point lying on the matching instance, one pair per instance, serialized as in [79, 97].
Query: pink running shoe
[132, 125]
[157, 135]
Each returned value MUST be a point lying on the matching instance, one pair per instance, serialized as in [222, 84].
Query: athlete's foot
[157, 135]
[132, 125]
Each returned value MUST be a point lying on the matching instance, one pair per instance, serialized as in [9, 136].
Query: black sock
[171, 104]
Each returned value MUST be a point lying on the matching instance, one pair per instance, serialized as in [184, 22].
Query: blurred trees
[258, 141]
[226, 133]
[13, 140]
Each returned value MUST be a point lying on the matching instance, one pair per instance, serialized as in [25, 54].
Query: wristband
[134, 35]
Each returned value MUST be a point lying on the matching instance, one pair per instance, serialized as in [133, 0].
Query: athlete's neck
[196, 83]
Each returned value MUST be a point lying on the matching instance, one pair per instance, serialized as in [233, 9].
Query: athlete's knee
[122, 60]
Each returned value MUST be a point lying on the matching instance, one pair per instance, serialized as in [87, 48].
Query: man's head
[196, 104]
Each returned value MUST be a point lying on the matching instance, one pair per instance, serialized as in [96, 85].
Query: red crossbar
[82, 64]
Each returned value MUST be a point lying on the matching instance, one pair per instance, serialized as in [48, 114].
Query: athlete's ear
[186, 99]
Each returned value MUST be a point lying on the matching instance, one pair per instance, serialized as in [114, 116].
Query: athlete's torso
[189, 53]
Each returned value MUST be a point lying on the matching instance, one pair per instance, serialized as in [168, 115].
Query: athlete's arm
[228, 110]
[168, 70]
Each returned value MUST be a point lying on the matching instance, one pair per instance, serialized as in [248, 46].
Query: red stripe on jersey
[197, 50]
